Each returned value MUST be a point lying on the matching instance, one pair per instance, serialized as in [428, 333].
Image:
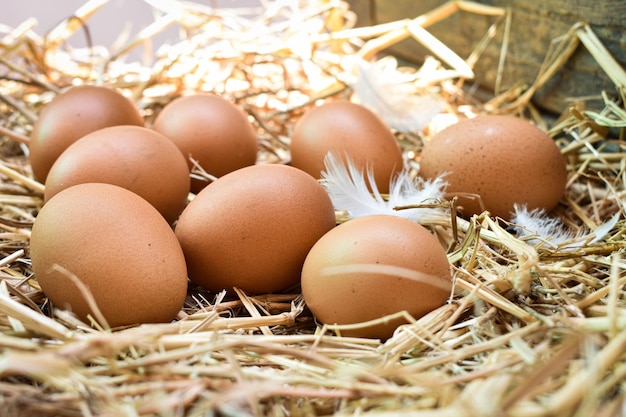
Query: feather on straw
[349, 189]
[552, 232]
[386, 91]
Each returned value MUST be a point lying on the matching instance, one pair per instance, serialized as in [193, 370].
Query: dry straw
[530, 330]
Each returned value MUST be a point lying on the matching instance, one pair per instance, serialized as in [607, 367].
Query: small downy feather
[388, 92]
[538, 227]
[347, 186]
[537, 224]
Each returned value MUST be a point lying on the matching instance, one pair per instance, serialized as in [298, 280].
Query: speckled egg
[253, 227]
[211, 130]
[133, 157]
[104, 240]
[492, 162]
[73, 114]
[346, 128]
[371, 267]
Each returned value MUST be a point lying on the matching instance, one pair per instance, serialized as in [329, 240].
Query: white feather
[537, 223]
[388, 92]
[355, 192]
[552, 232]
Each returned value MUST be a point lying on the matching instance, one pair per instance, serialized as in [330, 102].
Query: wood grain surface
[535, 25]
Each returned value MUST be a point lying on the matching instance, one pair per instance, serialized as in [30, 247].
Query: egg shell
[118, 246]
[253, 228]
[503, 159]
[133, 157]
[346, 128]
[73, 114]
[212, 130]
[344, 280]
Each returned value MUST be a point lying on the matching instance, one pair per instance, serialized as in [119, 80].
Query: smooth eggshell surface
[503, 159]
[118, 246]
[73, 114]
[346, 128]
[374, 266]
[211, 130]
[133, 157]
[253, 228]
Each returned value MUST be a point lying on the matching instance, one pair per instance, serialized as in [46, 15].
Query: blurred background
[116, 18]
[548, 23]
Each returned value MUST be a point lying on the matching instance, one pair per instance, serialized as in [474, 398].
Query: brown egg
[503, 160]
[374, 266]
[211, 130]
[344, 128]
[117, 246]
[73, 114]
[133, 157]
[253, 228]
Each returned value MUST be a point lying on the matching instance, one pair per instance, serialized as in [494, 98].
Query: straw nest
[530, 331]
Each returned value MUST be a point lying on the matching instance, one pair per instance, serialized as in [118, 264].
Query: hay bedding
[531, 330]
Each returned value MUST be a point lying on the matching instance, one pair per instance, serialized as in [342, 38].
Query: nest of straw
[531, 331]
